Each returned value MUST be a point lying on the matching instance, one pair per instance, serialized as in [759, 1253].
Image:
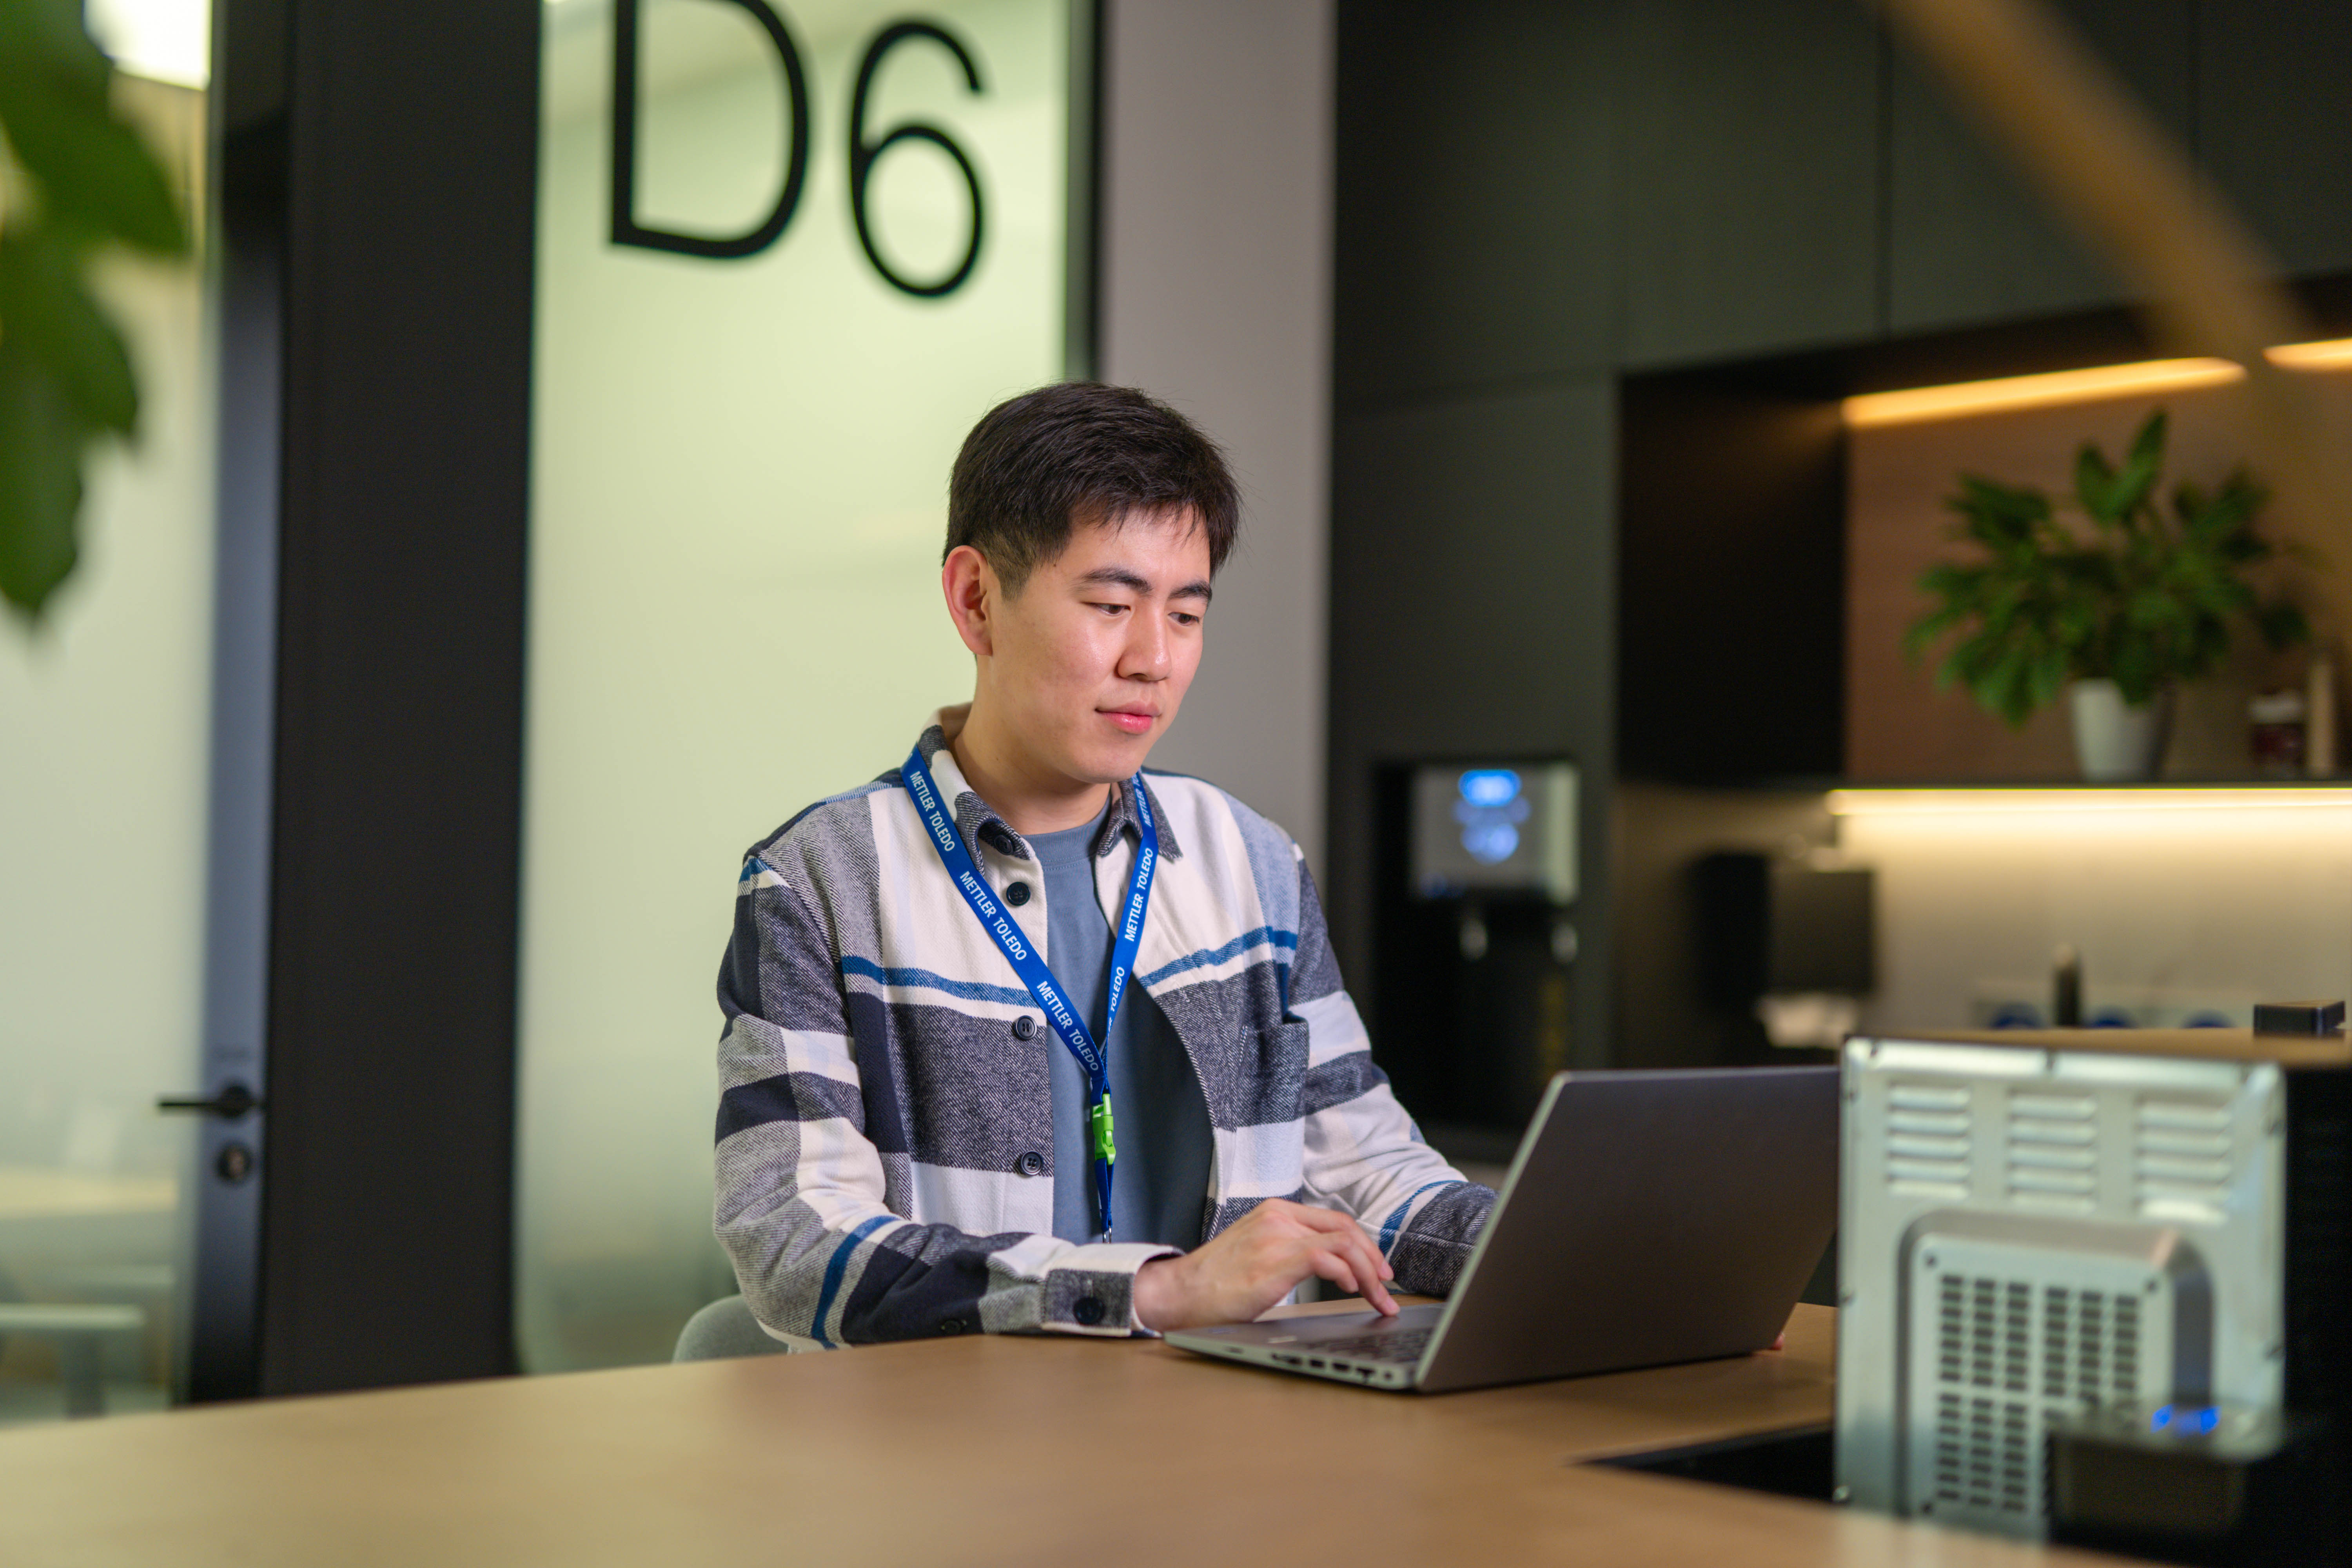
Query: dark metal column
[378, 172]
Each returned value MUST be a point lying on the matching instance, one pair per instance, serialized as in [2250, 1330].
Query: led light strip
[1961, 398]
[2162, 797]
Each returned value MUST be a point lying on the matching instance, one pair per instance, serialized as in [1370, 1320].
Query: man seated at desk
[930, 1024]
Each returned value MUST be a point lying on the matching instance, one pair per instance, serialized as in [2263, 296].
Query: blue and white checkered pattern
[886, 1141]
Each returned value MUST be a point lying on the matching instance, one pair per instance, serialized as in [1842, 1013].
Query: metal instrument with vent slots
[2038, 1226]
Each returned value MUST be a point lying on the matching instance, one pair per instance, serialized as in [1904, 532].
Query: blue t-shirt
[1164, 1149]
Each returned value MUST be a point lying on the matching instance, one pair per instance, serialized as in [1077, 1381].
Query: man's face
[1089, 663]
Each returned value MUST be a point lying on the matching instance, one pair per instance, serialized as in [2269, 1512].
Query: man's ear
[974, 594]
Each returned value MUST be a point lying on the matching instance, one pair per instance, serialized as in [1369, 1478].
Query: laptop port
[1285, 1360]
[1316, 1364]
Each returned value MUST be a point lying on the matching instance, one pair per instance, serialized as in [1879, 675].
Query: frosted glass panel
[105, 725]
[739, 494]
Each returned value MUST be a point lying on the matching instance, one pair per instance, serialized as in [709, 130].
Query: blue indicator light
[2208, 1418]
[1490, 843]
[2161, 1419]
[1490, 786]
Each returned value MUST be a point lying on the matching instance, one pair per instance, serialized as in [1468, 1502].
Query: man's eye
[1185, 619]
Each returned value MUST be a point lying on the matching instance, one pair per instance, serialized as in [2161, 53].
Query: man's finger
[1334, 1267]
[1375, 1291]
[1364, 1265]
[1363, 1249]
[1331, 1223]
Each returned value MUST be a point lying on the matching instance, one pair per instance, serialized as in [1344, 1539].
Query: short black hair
[1038, 464]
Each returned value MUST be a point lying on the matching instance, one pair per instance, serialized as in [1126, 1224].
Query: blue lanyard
[1032, 969]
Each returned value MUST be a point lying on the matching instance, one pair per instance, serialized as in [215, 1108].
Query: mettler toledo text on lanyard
[1042, 986]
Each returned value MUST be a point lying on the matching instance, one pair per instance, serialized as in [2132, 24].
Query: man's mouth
[1134, 720]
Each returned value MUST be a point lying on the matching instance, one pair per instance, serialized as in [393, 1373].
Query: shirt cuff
[1090, 1289]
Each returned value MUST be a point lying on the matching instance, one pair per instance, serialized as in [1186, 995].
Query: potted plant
[2121, 611]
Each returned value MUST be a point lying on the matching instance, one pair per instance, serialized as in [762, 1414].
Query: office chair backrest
[725, 1329]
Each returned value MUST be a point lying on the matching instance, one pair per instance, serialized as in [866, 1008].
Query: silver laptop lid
[1648, 1217]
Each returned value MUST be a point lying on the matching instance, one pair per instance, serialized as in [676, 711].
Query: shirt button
[1087, 1310]
[952, 1326]
[1031, 1163]
[1016, 894]
[1024, 1026]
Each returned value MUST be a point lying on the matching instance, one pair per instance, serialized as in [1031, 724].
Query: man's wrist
[1159, 1287]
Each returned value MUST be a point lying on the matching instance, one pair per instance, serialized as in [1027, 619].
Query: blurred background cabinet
[1967, 240]
[1604, 269]
[1749, 194]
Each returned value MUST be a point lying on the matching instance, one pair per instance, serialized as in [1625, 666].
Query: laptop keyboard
[1403, 1345]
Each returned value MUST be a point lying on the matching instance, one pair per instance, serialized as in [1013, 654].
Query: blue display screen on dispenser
[1491, 808]
[1495, 828]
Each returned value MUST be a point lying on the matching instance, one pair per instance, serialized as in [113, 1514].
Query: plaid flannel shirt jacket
[886, 1142]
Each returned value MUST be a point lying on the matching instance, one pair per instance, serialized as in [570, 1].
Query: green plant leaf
[1995, 515]
[2127, 496]
[45, 309]
[2049, 677]
[2094, 476]
[41, 444]
[48, 36]
[94, 172]
[65, 376]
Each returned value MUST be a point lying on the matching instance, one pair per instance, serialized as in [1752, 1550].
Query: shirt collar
[978, 823]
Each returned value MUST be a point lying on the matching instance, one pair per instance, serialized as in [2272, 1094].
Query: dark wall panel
[1968, 240]
[1472, 584]
[2275, 125]
[412, 128]
[1750, 183]
[1472, 239]
[1731, 582]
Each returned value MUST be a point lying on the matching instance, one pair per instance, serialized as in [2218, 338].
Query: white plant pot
[2115, 742]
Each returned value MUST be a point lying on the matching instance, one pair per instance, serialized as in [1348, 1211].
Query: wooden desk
[982, 1450]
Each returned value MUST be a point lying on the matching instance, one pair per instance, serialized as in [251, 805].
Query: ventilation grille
[2005, 1354]
[2053, 1152]
[2181, 1159]
[1928, 1128]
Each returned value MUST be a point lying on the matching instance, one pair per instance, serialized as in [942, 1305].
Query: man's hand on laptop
[1258, 1261]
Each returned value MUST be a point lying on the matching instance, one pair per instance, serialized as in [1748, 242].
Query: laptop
[1649, 1217]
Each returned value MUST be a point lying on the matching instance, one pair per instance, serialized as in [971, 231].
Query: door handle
[233, 1101]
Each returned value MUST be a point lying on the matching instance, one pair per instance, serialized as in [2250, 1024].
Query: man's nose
[1146, 657]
